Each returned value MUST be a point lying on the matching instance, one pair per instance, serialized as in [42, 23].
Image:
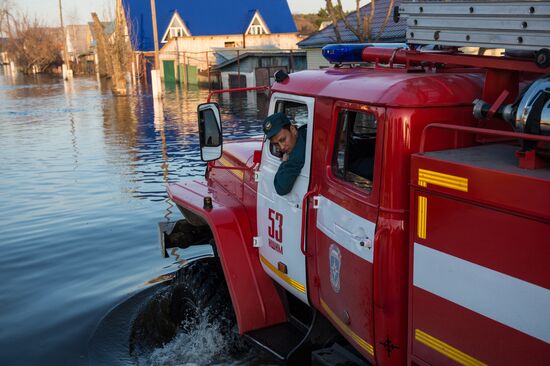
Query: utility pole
[67, 72]
[7, 14]
[155, 74]
[178, 74]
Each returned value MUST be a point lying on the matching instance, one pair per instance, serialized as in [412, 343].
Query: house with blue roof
[383, 30]
[190, 31]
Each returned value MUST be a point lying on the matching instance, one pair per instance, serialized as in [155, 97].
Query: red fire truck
[418, 231]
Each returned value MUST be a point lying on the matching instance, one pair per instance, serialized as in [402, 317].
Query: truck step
[278, 339]
[293, 342]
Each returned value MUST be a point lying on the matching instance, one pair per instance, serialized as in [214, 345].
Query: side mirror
[210, 131]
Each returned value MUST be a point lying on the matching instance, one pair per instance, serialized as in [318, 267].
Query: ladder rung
[476, 8]
[512, 25]
[490, 24]
[479, 39]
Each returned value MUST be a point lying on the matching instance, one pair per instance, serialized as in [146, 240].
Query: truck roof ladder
[522, 25]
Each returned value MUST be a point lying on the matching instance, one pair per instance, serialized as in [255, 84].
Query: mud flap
[181, 234]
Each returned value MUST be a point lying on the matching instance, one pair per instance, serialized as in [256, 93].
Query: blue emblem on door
[335, 259]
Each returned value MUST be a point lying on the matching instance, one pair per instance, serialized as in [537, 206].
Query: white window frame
[175, 30]
[255, 29]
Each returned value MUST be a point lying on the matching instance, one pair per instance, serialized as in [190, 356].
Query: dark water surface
[82, 187]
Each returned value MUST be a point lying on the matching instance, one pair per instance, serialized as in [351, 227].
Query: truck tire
[196, 291]
[200, 290]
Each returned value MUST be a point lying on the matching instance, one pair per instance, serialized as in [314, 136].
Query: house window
[353, 159]
[229, 44]
[176, 32]
[256, 29]
[175, 29]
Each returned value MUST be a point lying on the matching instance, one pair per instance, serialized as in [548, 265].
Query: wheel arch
[254, 295]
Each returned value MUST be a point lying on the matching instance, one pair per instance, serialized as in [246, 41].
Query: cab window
[353, 159]
[297, 114]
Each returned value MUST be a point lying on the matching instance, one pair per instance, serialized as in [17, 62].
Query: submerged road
[82, 187]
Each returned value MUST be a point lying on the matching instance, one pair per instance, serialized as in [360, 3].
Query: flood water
[82, 187]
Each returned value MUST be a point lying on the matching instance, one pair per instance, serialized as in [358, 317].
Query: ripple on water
[81, 191]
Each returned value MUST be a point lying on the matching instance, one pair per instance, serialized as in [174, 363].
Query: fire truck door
[347, 211]
[280, 217]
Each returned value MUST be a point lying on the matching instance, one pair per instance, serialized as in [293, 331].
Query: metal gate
[169, 71]
[264, 75]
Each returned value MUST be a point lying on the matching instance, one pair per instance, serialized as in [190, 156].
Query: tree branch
[333, 17]
[355, 31]
[388, 15]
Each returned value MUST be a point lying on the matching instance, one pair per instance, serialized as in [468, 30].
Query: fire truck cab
[418, 231]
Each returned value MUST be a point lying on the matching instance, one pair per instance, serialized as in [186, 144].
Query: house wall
[79, 39]
[250, 79]
[249, 65]
[315, 59]
[194, 46]
[246, 65]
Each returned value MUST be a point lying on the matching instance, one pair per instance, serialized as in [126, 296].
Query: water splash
[201, 342]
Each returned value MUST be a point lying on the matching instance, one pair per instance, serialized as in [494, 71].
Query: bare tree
[33, 46]
[334, 18]
[363, 28]
[102, 48]
[122, 51]
[108, 11]
[115, 54]
[6, 13]
[72, 15]
[122, 42]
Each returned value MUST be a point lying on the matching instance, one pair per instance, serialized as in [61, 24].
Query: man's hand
[285, 157]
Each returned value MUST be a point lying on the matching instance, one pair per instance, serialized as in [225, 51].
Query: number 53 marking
[275, 229]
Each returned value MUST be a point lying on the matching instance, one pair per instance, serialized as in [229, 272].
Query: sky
[78, 11]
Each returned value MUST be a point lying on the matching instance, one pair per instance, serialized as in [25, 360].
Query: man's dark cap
[274, 123]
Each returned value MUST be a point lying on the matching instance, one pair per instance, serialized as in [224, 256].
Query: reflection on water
[82, 188]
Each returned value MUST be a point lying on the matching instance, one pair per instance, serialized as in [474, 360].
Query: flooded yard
[82, 187]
